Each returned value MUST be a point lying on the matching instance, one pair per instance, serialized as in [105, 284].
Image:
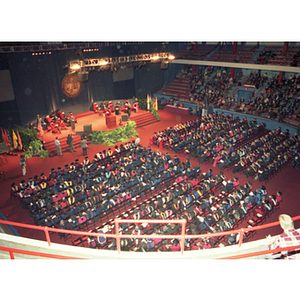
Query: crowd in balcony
[256, 79]
[277, 100]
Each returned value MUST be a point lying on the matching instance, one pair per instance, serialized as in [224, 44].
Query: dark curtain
[36, 80]
[37, 84]
[9, 112]
[124, 89]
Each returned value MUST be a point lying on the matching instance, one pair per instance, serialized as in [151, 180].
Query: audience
[82, 193]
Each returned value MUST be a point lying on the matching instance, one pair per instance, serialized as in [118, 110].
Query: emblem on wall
[70, 85]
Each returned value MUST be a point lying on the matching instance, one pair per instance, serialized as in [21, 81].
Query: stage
[92, 118]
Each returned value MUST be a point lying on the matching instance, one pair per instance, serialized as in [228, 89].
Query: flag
[19, 140]
[8, 139]
[5, 139]
[155, 104]
[15, 140]
[3, 136]
[148, 102]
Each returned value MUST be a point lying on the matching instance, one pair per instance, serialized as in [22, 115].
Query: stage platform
[95, 122]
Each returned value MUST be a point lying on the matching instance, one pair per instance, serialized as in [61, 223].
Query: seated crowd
[70, 197]
[208, 136]
[197, 204]
[277, 100]
[123, 182]
[109, 107]
[228, 142]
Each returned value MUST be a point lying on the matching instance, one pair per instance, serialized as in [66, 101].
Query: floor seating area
[209, 206]
[88, 192]
[207, 137]
[137, 182]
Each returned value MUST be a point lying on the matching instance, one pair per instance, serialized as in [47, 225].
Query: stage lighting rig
[114, 63]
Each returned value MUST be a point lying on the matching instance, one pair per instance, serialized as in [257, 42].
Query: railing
[290, 118]
[119, 236]
[33, 253]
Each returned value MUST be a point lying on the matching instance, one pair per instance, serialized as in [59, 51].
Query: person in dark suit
[84, 146]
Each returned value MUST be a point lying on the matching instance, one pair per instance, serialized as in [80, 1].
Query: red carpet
[287, 180]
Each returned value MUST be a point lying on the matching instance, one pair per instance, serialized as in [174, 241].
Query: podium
[110, 121]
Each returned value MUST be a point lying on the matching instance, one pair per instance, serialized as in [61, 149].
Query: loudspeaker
[83, 76]
[124, 117]
[164, 65]
[87, 128]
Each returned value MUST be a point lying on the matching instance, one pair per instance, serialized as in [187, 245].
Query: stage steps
[50, 146]
[144, 119]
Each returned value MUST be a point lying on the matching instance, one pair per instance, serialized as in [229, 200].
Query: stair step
[144, 119]
[50, 146]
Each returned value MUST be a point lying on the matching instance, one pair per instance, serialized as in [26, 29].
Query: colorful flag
[19, 140]
[148, 102]
[155, 104]
[8, 139]
[3, 136]
[15, 140]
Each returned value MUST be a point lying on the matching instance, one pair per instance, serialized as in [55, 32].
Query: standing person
[23, 164]
[57, 145]
[84, 146]
[137, 140]
[72, 122]
[70, 142]
[129, 111]
[290, 237]
[199, 110]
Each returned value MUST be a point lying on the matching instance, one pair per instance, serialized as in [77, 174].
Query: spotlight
[103, 63]
[155, 58]
[75, 66]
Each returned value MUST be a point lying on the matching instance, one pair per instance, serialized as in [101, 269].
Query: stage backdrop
[36, 81]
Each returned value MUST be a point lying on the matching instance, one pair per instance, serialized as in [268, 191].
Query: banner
[3, 136]
[15, 140]
[19, 140]
[9, 143]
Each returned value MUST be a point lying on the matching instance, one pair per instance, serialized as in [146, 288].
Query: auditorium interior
[197, 138]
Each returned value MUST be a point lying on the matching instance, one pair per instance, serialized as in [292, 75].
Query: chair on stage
[135, 107]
